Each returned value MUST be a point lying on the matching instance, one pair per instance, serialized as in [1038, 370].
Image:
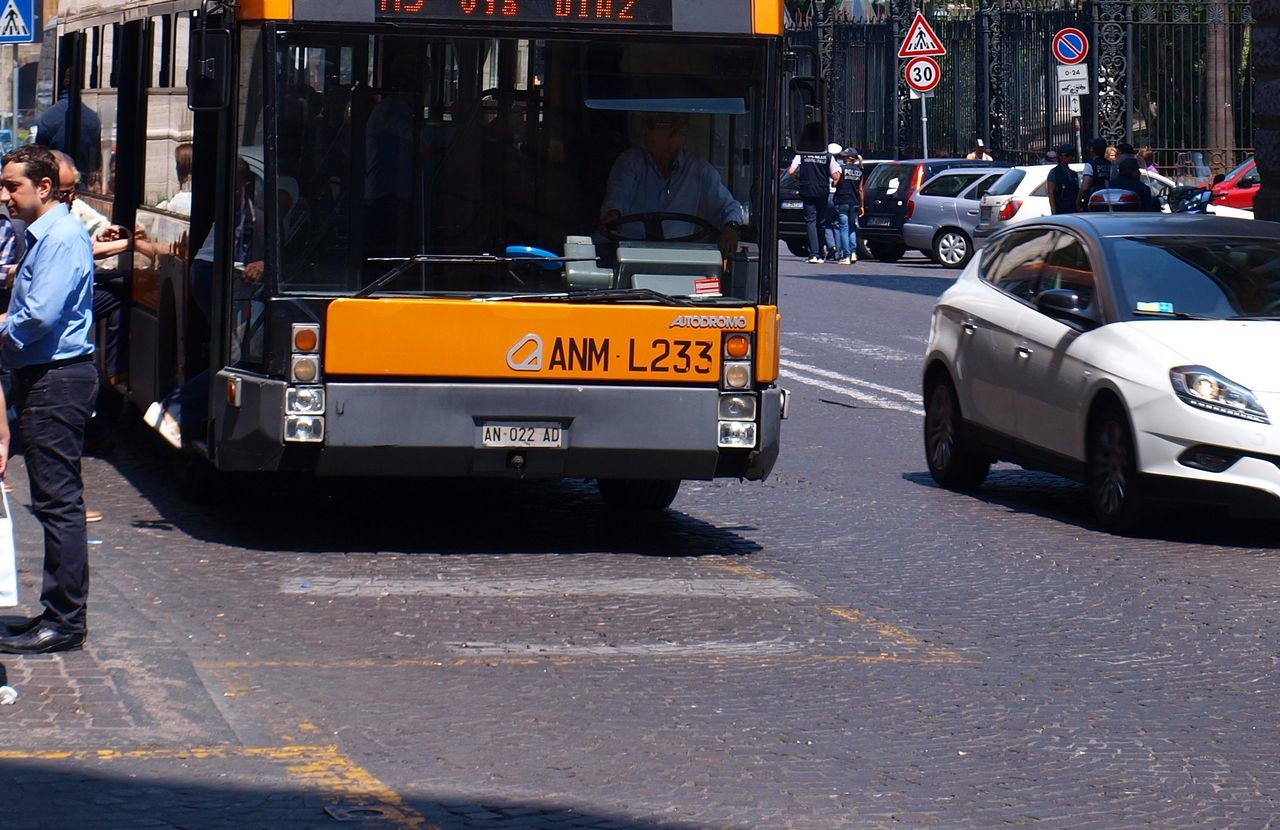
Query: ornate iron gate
[1172, 74]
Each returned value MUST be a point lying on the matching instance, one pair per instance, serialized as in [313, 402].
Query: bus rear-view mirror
[209, 72]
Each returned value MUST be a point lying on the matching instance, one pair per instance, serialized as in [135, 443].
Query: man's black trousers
[54, 403]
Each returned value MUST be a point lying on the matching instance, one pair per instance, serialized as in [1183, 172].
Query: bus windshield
[390, 146]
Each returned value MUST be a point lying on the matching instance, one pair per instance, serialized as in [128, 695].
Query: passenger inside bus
[180, 201]
[389, 156]
[660, 178]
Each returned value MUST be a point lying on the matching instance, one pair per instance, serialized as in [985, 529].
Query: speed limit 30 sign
[922, 74]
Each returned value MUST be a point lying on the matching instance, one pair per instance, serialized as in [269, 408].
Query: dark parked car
[791, 211]
[886, 192]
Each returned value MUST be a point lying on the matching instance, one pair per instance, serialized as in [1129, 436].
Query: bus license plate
[792, 205]
[522, 435]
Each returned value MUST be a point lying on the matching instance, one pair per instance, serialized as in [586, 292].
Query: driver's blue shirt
[636, 186]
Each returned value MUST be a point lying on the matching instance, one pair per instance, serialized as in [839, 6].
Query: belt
[36, 368]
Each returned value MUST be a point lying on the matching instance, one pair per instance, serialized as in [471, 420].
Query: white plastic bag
[8, 556]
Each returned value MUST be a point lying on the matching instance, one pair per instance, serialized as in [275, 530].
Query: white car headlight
[1206, 389]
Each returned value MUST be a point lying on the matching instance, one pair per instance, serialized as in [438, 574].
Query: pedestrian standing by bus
[53, 130]
[108, 240]
[848, 204]
[45, 342]
[815, 170]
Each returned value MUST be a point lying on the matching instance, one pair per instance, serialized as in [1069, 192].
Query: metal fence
[1174, 75]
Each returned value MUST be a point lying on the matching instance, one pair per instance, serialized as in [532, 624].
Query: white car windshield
[1180, 277]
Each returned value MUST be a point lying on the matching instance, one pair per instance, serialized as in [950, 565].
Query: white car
[1133, 352]
[1023, 193]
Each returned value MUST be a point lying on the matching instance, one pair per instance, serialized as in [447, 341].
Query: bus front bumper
[438, 429]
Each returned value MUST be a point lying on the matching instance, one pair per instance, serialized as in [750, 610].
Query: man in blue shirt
[44, 341]
[660, 177]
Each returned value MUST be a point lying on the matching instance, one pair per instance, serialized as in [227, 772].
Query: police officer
[816, 170]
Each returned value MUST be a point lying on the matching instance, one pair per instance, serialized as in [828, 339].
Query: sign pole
[924, 123]
[921, 71]
[15, 94]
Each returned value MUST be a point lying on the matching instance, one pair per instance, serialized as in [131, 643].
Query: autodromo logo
[526, 354]
[707, 321]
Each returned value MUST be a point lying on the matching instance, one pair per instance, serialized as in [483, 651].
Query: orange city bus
[369, 237]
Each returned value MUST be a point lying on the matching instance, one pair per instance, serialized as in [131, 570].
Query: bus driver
[661, 177]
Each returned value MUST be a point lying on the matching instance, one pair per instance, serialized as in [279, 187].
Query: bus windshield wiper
[1255, 317]
[405, 263]
[598, 295]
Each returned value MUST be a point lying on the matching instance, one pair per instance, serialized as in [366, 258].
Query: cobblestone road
[843, 646]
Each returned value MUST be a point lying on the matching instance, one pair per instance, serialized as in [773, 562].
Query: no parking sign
[1070, 46]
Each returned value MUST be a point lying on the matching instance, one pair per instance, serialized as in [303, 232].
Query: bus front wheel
[638, 494]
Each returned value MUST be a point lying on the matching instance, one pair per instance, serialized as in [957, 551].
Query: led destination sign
[606, 13]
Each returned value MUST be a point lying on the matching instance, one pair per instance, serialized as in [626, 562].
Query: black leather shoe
[12, 629]
[41, 640]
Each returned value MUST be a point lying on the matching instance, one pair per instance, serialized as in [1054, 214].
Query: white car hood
[1243, 351]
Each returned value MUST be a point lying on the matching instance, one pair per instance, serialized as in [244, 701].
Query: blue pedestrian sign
[1070, 46]
[20, 22]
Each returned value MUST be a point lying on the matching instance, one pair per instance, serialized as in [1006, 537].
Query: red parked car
[1239, 186]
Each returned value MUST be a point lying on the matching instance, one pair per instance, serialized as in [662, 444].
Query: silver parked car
[941, 216]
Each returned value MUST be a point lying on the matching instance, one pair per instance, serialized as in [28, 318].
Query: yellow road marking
[323, 768]
[937, 654]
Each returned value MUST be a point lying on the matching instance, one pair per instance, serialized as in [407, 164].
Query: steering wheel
[654, 232]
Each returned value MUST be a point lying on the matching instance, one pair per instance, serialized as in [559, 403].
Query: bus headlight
[737, 375]
[741, 434]
[305, 368]
[304, 400]
[738, 407]
[309, 428]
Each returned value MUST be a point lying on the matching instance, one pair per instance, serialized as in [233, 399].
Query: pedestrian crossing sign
[920, 40]
[19, 22]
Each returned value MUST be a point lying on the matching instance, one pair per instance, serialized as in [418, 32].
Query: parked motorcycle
[1188, 199]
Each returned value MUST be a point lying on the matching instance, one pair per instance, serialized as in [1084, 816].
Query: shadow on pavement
[79, 793]
[1063, 500]
[294, 512]
[925, 285]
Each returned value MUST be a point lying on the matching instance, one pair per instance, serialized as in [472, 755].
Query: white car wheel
[952, 248]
